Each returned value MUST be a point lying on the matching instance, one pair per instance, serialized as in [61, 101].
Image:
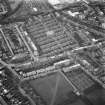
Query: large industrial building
[52, 52]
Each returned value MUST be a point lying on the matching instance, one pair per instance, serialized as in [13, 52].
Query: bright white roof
[53, 2]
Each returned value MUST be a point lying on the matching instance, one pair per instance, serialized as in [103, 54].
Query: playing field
[54, 89]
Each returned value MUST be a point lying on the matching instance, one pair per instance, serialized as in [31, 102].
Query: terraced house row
[49, 35]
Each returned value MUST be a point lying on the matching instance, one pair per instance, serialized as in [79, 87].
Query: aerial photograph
[52, 52]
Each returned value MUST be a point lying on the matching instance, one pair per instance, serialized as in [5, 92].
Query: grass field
[54, 89]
